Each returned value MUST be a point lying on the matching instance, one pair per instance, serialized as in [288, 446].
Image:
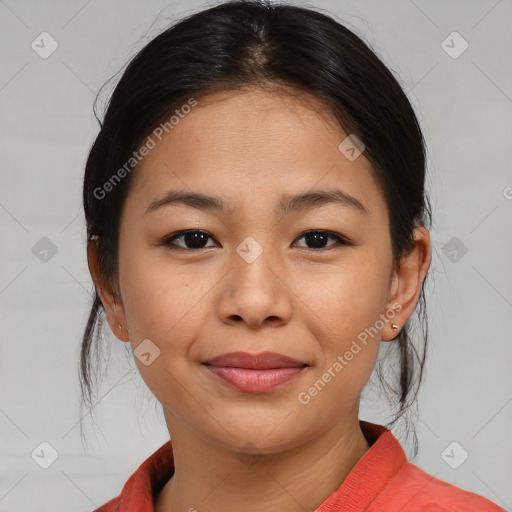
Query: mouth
[254, 373]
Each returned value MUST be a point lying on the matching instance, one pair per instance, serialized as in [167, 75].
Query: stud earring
[394, 327]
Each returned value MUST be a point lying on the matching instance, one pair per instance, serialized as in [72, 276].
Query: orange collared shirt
[382, 481]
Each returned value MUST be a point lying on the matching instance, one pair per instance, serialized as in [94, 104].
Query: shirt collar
[363, 484]
[371, 474]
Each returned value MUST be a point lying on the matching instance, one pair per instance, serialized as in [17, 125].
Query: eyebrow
[287, 204]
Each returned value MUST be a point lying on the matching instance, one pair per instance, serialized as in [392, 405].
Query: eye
[196, 239]
[193, 239]
[318, 238]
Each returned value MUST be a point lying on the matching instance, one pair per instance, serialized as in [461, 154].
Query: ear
[406, 283]
[112, 303]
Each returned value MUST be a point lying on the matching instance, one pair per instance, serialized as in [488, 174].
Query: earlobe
[120, 334]
[114, 310]
[407, 282]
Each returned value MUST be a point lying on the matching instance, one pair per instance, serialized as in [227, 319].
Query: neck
[210, 477]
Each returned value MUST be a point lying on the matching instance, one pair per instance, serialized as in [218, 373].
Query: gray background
[465, 107]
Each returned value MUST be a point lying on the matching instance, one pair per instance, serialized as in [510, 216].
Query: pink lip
[262, 361]
[254, 373]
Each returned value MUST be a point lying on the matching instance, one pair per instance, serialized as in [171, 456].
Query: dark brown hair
[260, 43]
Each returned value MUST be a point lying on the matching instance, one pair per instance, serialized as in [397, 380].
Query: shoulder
[112, 506]
[137, 493]
[416, 491]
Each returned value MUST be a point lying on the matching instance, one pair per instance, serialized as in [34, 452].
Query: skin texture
[251, 148]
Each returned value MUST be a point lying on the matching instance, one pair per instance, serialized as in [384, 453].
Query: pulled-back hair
[259, 43]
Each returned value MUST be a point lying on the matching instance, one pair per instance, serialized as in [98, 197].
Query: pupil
[316, 239]
[195, 239]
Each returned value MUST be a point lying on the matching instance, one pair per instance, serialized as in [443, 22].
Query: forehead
[256, 144]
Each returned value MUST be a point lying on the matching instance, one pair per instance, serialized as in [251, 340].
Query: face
[304, 281]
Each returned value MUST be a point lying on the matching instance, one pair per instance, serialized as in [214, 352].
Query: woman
[257, 226]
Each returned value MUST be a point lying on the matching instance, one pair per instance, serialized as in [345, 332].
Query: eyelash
[168, 240]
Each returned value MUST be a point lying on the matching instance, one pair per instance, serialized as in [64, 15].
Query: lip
[262, 361]
[254, 373]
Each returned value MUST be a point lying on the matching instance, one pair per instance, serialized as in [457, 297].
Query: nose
[256, 293]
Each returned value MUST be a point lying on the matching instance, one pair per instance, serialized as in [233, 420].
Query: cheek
[347, 302]
[162, 305]
[346, 298]
[163, 302]
[346, 305]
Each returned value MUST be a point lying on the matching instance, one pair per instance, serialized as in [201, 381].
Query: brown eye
[192, 240]
[197, 239]
[318, 239]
